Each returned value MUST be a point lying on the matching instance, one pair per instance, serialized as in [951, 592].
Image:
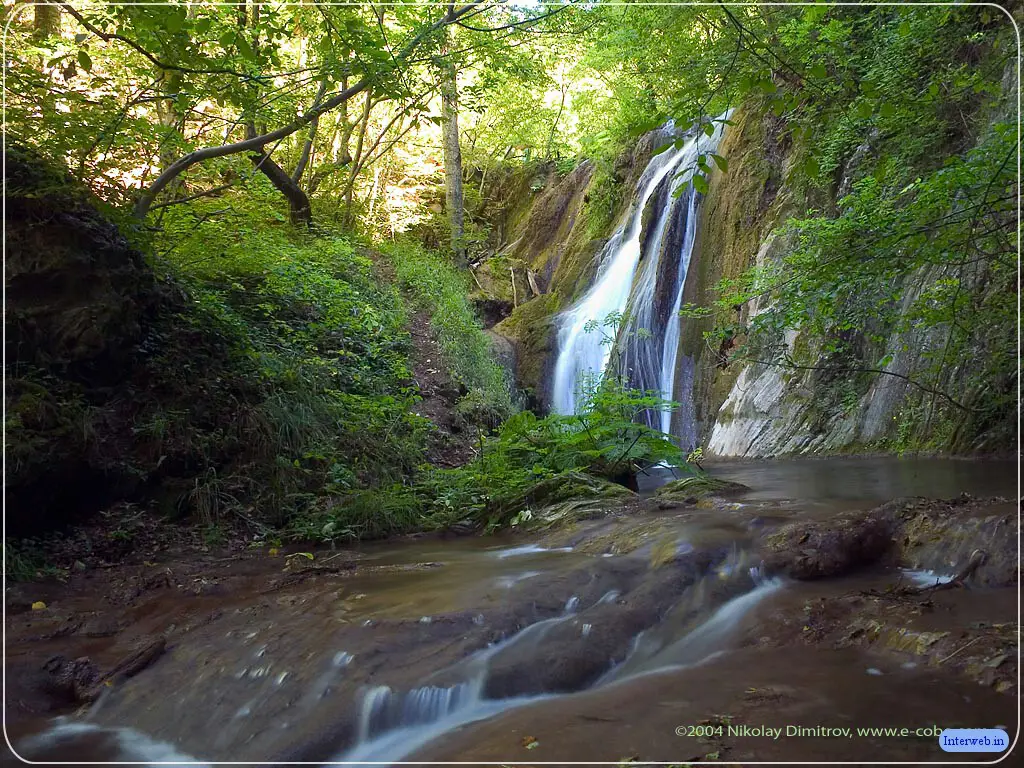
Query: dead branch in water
[976, 560]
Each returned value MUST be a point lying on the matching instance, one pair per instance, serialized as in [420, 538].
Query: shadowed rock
[815, 550]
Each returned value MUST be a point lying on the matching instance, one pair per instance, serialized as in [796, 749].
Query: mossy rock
[531, 331]
[564, 499]
[697, 487]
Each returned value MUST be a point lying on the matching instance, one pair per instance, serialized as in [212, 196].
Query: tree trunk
[46, 22]
[307, 145]
[454, 199]
[298, 202]
[167, 116]
[364, 122]
[554, 125]
[342, 156]
[256, 143]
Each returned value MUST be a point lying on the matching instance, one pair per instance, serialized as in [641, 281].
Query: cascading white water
[393, 726]
[582, 352]
[650, 296]
[673, 324]
[390, 726]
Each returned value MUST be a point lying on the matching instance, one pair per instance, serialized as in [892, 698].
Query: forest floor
[449, 445]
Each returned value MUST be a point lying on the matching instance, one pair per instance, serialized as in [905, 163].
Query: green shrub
[317, 346]
[529, 460]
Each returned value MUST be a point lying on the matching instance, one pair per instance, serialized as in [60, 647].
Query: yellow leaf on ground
[39, 605]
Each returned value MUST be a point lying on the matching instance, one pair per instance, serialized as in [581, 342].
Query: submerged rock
[942, 535]
[937, 535]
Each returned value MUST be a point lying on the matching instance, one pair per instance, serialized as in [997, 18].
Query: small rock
[101, 626]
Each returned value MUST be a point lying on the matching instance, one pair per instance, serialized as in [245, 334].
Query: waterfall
[581, 351]
[641, 273]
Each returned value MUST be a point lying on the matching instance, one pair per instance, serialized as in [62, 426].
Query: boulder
[698, 486]
[821, 549]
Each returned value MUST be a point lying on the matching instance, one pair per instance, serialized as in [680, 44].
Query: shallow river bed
[591, 643]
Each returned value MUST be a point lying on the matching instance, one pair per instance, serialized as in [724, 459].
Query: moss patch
[698, 487]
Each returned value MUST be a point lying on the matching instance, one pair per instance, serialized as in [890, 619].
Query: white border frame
[3, 83]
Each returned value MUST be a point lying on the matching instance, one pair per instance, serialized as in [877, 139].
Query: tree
[256, 143]
[453, 195]
[47, 21]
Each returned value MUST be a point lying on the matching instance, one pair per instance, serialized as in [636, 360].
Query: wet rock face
[942, 535]
[492, 311]
[68, 679]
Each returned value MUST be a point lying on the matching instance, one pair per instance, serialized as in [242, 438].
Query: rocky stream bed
[726, 614]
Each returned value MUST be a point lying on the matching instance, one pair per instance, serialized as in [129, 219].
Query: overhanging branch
[256, 143]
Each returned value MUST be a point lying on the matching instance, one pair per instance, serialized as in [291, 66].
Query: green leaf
[85, 60]
[678, 191]
[663, 148]
[709, 129]
[700, 184]
[175, 20]
[645, 127]
[721, 162]
[887, 110]
[245, 49]
[818, 71]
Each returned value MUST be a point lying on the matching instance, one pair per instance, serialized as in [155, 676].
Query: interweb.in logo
[974, 740]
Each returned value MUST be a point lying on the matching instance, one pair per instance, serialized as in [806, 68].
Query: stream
[593, 643]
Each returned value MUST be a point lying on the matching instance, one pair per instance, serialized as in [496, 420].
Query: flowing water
[641, 273]
[461, 649]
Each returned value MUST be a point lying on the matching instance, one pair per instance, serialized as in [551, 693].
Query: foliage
[604, 197]
[529, 463]
[280, 388]
[908, 132]
[123, 92]
[309, 324]
[438, 287]
[24, 560]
